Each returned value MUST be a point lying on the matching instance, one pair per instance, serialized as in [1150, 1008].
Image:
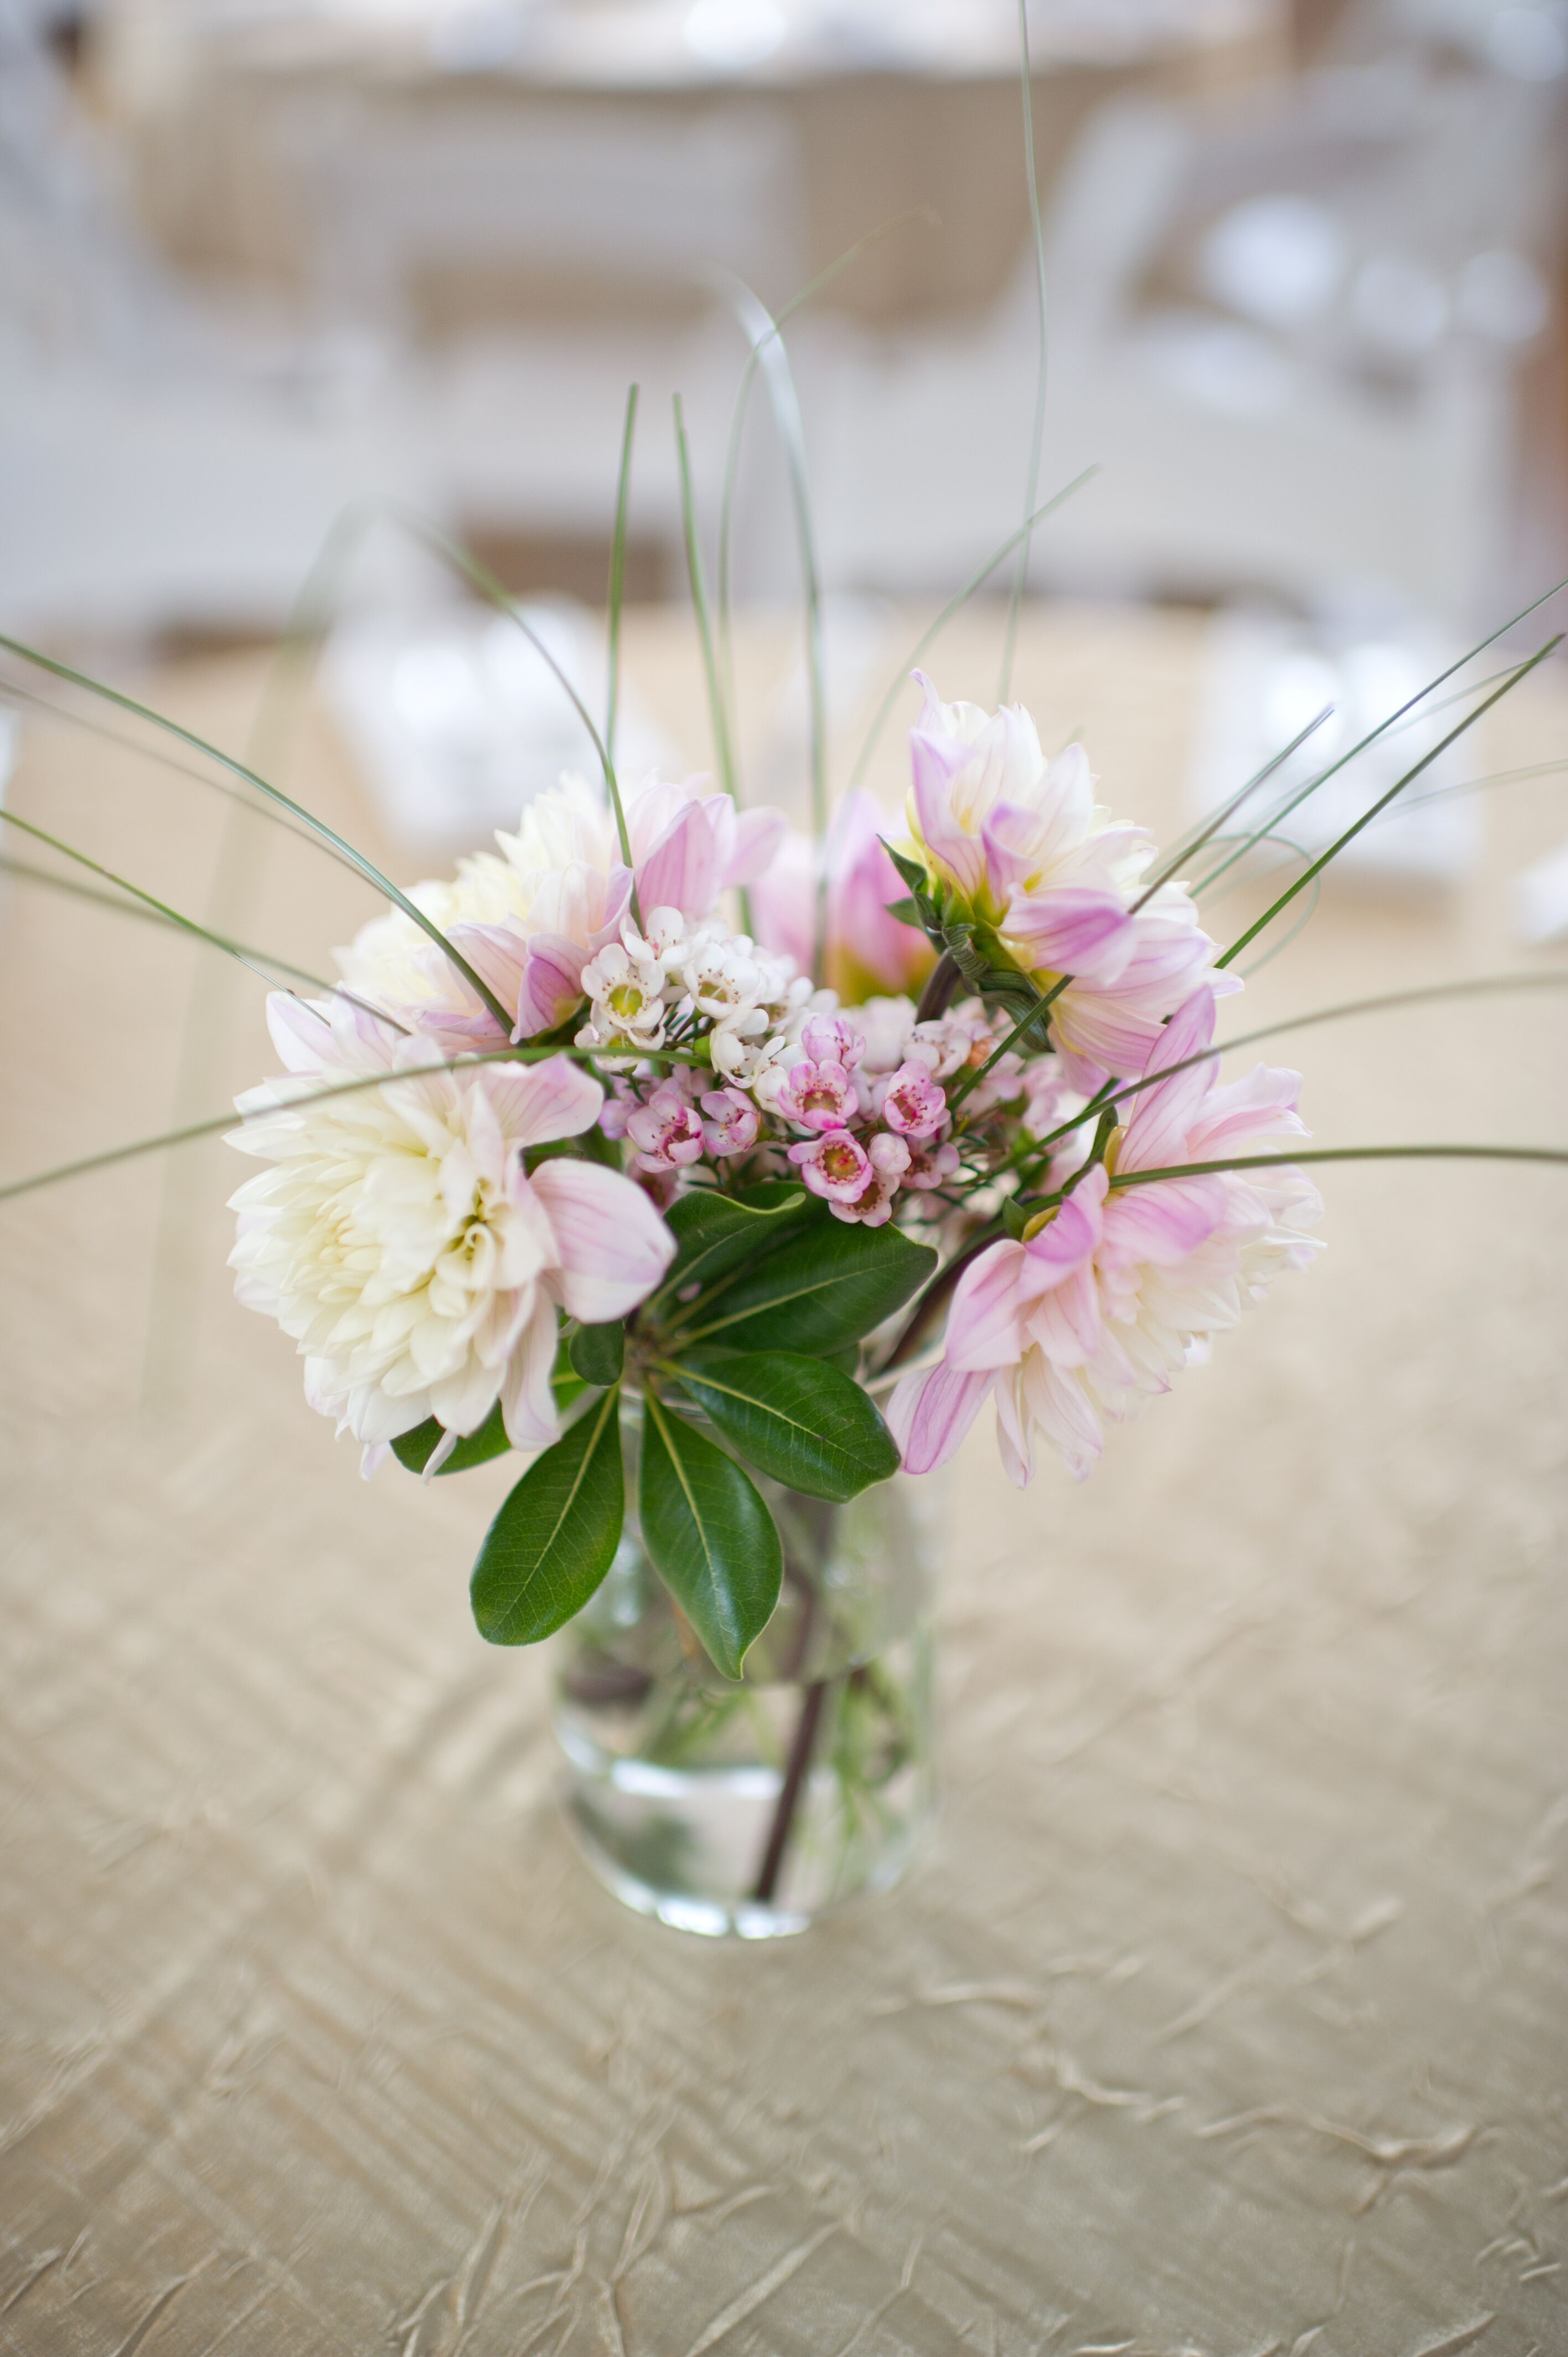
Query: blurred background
[270, 264]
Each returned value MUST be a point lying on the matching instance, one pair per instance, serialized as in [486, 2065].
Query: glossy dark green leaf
[823, 1287]
[555, 1536]
[716, 1233]
[413, 1449]
[598, 1352]
[795, 1418]
[711, 1536]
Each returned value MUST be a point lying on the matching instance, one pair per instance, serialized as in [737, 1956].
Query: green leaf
[413, 1449]
[554, 1538]
[712, 1538]
[716, 1233]
[823, 1288]
[795, 1418]
[912, 870]
[908, 912]
[598, 1352]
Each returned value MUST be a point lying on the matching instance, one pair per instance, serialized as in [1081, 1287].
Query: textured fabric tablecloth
[1227, 2013]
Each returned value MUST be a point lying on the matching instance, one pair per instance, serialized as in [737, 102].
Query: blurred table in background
[1227, 2013]
[632, 147]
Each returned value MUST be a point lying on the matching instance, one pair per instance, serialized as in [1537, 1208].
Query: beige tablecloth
[1227, 2013]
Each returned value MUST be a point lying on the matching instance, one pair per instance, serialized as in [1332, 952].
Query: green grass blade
[27, 874]
[737, 420]
[1038, 431]
[163, 914]
[768, 346]
[960, 598]
[1337, 846]
[1383, 727]
[1383, 1002]
[367, 867]
[618, 579]
[12, 690]
[1227, 810]
[723, 750]
[1346, 1153]
[214, 1125]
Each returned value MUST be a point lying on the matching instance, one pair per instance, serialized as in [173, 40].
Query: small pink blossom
[930, 1166]
[873, 1205]
[913, 1104]
[732, 1123]
[667, 1130]
[817, 1096]
[836, 1165]
[830, 1039]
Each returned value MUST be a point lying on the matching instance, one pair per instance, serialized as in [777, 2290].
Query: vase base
[710, 1913]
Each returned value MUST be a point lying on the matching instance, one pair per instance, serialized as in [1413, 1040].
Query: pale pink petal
[1069, 929]
[983, 1329]
[937, 762]
[549, 985]
[683, 870]
[1058, 1404]
[1014, 1440]
[614, 1246]
[537, 1103]
[758, 838]
[1063, 1245]
[527, 1403]
[1166, 1221]
[929, 1414]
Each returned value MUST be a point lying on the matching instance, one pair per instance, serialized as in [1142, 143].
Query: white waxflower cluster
[678, 979]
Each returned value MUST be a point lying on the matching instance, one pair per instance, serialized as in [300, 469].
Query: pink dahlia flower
[1020, 846]
[1104, 1301]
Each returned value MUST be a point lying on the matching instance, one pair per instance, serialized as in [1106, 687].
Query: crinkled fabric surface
[1226, 2014]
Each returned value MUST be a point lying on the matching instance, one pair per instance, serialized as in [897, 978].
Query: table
[1226, 2014]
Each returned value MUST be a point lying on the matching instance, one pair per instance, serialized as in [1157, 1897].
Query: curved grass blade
[217, 1123]
[1301, 794]
[1384, 1003]
[618, 578]
[256, 959]
[1037, 432]
[713, 1541]
[12, 690]
[767, 347]
[1186, 850]
[145, 904]
[367, 867]
[1347, 1154]
[1336, 848]
[743, 395]
[959, 597]
[555, 1536]
[724, 749]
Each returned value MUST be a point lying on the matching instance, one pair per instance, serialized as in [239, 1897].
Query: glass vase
[753, 1806]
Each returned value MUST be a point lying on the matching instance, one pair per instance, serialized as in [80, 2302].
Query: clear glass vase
[754, 1805]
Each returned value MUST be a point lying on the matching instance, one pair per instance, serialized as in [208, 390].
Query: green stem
[617, 587]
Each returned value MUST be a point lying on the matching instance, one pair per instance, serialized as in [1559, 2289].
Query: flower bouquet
[722, 1174]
